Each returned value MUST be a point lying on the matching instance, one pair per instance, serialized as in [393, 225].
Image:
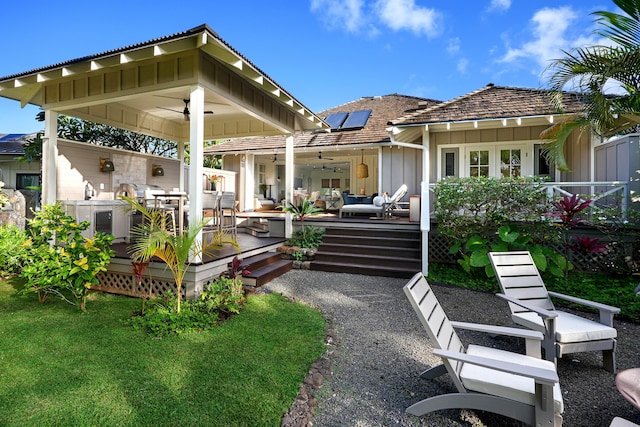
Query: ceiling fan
[186, 113]
[323, 158]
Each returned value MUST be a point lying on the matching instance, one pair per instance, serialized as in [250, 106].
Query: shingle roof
[383, 109]
[492, 102]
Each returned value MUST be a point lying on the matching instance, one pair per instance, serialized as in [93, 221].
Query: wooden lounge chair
[380, 207]
[522, 387]
[531, 307]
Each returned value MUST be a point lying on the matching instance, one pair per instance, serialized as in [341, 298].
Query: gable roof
[140, 87]
[383, 109]
[492, 102]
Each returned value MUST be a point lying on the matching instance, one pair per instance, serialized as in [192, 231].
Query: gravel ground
[376, 349]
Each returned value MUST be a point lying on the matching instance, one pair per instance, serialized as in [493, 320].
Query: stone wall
[20, 207]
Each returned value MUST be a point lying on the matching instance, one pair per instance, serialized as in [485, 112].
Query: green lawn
[61, 367]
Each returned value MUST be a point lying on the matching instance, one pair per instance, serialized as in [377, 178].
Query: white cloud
[550, 26]
[499, 5]
[462, 65]
[454, 45]
[340, 14]
[406, 15]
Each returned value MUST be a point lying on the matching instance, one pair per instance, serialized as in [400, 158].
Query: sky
[323, 52]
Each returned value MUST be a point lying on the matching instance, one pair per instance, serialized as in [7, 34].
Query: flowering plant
[215, 178]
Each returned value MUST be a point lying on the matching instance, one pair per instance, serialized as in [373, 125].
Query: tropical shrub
[62, 262]
[13, 252]
[307, 237]
[466, 207]
[475, 251]
[221, 299]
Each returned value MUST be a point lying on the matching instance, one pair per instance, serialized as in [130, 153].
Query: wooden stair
[369, 251]
[257, 227]
[264, 268]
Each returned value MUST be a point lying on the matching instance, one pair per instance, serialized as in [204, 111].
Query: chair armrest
[540, 375]
[606, 311]
[545, 314]
[500, 330]
[588, 303]
[532, 338]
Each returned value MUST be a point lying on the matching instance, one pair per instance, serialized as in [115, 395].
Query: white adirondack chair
[531, 307]
[522, 387]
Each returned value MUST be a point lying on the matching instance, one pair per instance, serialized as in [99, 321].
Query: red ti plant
[568, 208]
[587, 245]
[236, 268]
[138, 271]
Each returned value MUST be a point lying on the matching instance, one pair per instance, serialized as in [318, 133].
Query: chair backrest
[210, 200]
[435, 321]
[519, 278]
[399, 194]
[228, 200]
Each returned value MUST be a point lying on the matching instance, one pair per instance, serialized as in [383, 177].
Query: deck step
[264, 268]
[370, 251]
[256, 232]
[363, 269]
[357, 258]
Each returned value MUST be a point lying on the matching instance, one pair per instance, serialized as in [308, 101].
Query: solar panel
[356, 119]
[336, 119]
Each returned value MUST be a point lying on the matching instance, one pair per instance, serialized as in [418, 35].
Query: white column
[289, 171]
[181, 150]
[50, 158]
[247, 182]
[196, 153]
[425, 218]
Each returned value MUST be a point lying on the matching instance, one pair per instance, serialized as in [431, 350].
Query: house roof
[12, 143]
[142, 87]
[491, 103]
[383, 109]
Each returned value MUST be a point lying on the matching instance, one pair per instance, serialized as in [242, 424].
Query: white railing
[609, 193]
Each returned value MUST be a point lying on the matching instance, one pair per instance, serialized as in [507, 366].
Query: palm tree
[590, 71]
[154, 238]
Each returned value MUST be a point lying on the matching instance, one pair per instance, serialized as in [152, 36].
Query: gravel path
[377, 349]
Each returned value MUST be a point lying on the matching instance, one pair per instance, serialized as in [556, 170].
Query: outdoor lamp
[157, 170]
[362, 170]
[106, 165]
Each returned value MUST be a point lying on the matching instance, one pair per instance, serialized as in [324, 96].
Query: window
[510, 163]
[449, 162]
[262, 179]
[479, 163]
[27, 181]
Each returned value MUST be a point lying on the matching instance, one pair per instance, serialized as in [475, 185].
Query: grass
[59, 366]
[618, 291]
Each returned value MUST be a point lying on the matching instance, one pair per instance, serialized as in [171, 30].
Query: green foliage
[482, 215]
[61, 261]
[301, 211]
[13, 251]
[153, 238]
[475, 252]
[307, 237]
[477, 206]
[32, 149]
[221, 298]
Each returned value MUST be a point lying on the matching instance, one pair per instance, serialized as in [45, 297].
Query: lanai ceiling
[143, 88]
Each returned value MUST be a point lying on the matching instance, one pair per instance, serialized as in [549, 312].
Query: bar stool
[228, 205]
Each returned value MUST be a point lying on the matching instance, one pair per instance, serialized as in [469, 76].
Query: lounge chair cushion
[510, 386]
[569, 327]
